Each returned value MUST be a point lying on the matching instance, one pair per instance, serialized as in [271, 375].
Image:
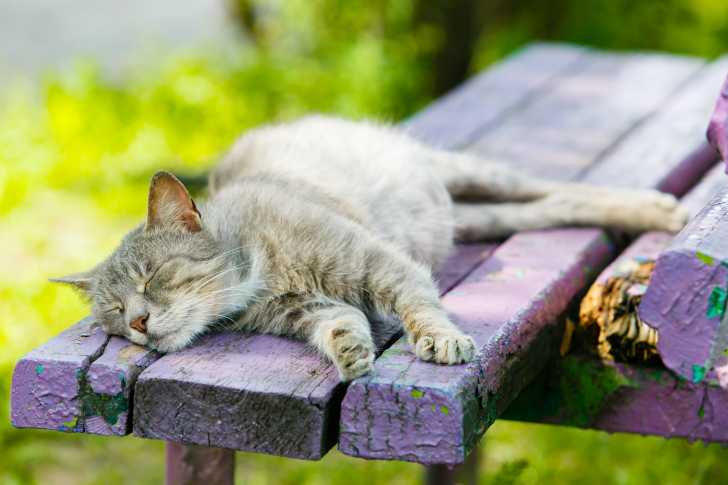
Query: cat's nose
[140, 323]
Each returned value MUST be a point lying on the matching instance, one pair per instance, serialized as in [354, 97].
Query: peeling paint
[109, 407]
[705, 258]
[417, 394]
[698, 373]
[716, 302]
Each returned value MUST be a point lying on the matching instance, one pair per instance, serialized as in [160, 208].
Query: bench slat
[460, 117]
[585, 114]
[685, 301]
[615, 397]
[386, 416]
[675, 131]
[585, 392]
[80, 381]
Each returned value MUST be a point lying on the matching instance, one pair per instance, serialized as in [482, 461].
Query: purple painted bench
[587, 392]
[553, 110]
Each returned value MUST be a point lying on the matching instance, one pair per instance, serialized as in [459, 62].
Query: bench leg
[465, 474]
[193, 465]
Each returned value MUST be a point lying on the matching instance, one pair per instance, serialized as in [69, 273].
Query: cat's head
[168, 280]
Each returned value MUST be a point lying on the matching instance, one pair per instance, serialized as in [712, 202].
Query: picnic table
[559, 111]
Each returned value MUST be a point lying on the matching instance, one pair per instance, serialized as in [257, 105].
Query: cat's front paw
[353, 359]
[445, 347]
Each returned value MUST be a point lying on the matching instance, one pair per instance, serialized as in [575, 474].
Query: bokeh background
[98, 94]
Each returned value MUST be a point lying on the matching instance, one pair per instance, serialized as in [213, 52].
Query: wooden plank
[615, 397]
[47, 389]
[80, 381]
[674, 133]
[487, 98]
[718, 127]
[254, 392]
[712, 183]
[583, 116]
[416, 411]
[464, 259]
[685, 301]
[482, 102]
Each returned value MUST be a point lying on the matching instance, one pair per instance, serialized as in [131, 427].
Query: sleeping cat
[320, 228]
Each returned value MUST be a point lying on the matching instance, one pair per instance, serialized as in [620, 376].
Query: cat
[320, 228]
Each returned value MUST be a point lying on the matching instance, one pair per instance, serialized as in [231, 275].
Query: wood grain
[484, 101]
[685, 301]
[80, 381]
[565, 131]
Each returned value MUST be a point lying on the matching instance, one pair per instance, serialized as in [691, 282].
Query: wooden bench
[565, 112]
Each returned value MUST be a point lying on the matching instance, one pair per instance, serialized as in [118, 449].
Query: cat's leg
[397, 285]
[343, 334]
[633, 213]
[338, 330]
[469, 177]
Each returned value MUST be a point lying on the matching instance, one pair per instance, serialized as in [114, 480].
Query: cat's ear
[171, 204]
[80, 281]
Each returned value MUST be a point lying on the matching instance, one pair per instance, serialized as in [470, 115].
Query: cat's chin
[168, 343]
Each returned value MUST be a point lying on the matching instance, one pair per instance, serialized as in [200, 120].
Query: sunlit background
[98, 94]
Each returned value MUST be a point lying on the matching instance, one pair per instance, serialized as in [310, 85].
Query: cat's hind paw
[354, 361]
[445, 348]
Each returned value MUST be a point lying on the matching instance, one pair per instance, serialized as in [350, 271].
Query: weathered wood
[583, 391]
[707, 188]
[487, 98]
[718, 127]
[585, 114]
[415, 411]
[482, 102]
[686, 298]
[616, 397]
[199, 465]
[598, 306]
[465, 474]
[253, 392]
[80, 381]
[672, 134]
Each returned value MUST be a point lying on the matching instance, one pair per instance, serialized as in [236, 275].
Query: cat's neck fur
[245, 263]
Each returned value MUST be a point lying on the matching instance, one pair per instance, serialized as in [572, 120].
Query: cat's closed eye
[115, 310]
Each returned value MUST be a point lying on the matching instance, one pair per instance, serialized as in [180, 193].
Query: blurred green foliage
[77, 149]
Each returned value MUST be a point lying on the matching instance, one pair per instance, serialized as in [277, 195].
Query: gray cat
[320, 228]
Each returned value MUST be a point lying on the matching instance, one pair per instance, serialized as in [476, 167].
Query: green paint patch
[39, 369]
[698, 373]
[716, 302]
[109, 407]
[445, 410]
[701, 412]
[433, 408]
[71, 423]
[705, 258]
[417, 394]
